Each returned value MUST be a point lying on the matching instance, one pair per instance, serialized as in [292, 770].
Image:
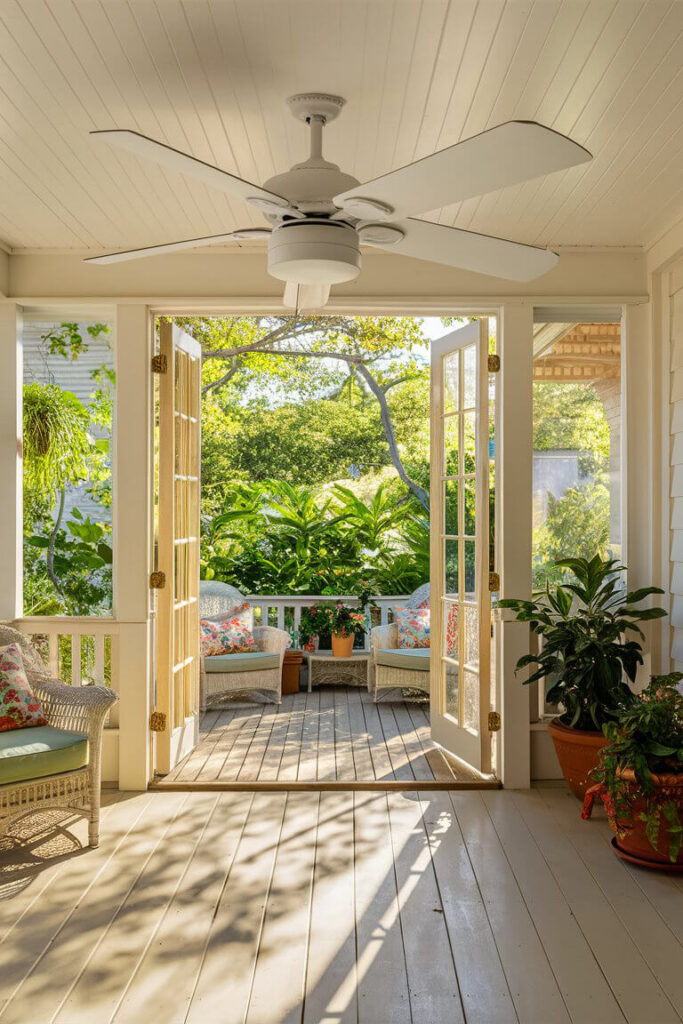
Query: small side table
[325, 669]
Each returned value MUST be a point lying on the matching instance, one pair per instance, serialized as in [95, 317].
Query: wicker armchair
[79, 709]
[393, 668]
[232, 673]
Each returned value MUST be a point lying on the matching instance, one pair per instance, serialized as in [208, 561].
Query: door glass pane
[451, 506]
[470, 377]
[471, 702]
[471, 635]
[470, 506]
[469, 442]
[451, 430]
[451, 381]
[451, 551]
[469, 567]
[450, 677]
[450, 634]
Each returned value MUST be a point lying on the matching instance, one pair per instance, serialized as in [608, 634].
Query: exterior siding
[676, 478]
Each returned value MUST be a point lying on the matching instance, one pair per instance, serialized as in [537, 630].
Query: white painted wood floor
[381, 908]
[332, 735]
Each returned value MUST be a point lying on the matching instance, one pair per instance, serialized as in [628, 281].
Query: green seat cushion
[251, 661]
[38, 751]
[414, 658]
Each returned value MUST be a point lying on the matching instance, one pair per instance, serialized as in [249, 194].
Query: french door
[177, 634]
[460, 597]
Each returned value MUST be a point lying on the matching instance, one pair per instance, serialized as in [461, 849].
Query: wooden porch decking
[337, 908]
[332, 736]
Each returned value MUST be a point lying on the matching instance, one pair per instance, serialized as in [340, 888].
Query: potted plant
[583, 625]
[345, 625]
[640, 776]
[314, 621]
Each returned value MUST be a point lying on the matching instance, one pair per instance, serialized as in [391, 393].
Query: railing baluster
[98, 664]
[280, 616]
[76, 677]
[53, 653]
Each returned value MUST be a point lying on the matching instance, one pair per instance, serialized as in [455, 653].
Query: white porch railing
[273, 609]
[78, 650]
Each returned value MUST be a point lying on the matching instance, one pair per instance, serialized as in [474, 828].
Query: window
[69, 385]
[577, 435]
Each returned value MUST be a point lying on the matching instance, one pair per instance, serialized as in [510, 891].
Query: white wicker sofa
[399, 668]
[57, 766]
[260, 671]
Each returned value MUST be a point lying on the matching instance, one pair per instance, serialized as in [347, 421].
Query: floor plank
[481, 978]
[382, 986]
[519, 947]
[331, 970]
[277, 992]
[224, 982]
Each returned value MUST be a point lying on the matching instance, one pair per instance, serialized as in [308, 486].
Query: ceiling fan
[320, 216]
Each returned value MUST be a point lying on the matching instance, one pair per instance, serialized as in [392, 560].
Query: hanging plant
[56, 440]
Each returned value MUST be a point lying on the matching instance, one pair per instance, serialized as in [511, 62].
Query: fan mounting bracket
[306, 105]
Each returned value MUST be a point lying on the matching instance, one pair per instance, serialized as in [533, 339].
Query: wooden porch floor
[484, 907]
[334, 735]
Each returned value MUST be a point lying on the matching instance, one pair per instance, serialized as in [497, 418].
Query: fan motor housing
[314, 252]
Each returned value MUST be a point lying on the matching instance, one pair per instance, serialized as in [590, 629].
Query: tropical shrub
[583, 626]
[275, 538]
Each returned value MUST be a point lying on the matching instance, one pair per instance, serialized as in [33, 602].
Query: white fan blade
[305, 296]
[150, 149]
[188, 243]
[513, 152]
[484, 254]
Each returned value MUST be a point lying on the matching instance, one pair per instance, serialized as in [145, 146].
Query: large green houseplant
[587, 654]
[640, 775]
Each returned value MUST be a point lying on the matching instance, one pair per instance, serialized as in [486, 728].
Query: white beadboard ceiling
[210, 77]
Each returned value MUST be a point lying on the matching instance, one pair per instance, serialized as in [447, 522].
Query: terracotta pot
[342, 645]
[633, 840]
[290, 671]
[577, 751]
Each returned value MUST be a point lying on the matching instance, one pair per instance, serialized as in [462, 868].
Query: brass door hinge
[494, 363]
[159, 364]
[494, 721]
[157, 721]
[157, 580]
[494, 582]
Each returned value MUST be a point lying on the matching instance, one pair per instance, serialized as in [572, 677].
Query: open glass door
[459, 517]
[177, 653]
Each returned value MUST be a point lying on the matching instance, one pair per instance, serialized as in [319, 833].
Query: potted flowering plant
[640, 776]
[314, 621]
[345, 624]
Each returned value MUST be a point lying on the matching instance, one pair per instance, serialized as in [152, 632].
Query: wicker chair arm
[76, 708]
[268, 638]
[384, 637]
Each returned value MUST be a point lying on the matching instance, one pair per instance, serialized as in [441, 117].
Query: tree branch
[385, 412]
[215, 384]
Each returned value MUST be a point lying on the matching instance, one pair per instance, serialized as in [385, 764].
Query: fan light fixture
[314, 252]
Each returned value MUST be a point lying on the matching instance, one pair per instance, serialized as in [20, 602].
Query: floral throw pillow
[229, 634]
[413, 627]
[19, 706]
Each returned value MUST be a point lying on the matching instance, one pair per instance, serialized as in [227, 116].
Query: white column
[11, 465]
[513, 526]
[133, 521]
[639, 454]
